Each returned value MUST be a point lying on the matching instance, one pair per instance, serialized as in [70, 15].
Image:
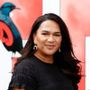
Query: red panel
[76, 14]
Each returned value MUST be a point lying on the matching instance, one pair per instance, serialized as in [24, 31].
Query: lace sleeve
[23, 78]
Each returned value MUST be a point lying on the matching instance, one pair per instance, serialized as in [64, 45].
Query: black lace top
[33, 74]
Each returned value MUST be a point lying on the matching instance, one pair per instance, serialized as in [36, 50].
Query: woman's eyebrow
[49, 31]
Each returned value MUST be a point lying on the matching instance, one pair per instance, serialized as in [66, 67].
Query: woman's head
[55, 23]
[48, 38]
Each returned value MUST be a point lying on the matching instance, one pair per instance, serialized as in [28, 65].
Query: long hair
[65, 59]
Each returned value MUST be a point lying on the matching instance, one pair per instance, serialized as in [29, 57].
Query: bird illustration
[10, 35]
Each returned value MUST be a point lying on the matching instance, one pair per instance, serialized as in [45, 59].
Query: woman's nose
[51, 39]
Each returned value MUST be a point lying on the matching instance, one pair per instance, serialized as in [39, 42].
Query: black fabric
[33, 74]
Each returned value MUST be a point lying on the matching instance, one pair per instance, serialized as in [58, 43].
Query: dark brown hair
[65, 60]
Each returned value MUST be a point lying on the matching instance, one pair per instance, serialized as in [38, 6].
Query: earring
[59, 50]
[35, 47]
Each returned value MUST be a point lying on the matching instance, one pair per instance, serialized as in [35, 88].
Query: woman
[48, 61]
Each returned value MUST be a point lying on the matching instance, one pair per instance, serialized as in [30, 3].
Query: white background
[87, 65]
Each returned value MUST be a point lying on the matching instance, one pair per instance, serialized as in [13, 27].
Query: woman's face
[48, 38]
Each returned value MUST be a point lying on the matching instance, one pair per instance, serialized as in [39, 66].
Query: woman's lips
[50, 46]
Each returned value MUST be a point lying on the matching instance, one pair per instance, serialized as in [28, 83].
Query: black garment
[33, 74]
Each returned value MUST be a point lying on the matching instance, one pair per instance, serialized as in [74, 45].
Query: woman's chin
[50, 52]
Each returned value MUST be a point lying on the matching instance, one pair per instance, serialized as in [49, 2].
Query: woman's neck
[44, 58]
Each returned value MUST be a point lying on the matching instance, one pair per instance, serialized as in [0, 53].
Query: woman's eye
[44, 34]
[57, 34]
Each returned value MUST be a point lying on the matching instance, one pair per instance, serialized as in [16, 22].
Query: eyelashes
[48, 34]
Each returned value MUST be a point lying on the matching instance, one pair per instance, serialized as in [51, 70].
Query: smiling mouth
[50, 46]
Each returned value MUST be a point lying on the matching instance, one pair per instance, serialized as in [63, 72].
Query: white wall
[87, 64]
[5, 67]
[51, 6]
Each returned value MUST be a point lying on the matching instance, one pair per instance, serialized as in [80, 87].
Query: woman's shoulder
[26, 66]
[28, 62]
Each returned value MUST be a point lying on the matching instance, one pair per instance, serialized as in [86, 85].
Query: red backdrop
[76, 14]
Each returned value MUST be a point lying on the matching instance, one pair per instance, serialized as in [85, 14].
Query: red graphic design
[6, 35]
